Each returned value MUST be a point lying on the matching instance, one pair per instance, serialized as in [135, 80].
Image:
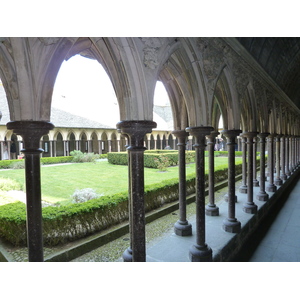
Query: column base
[250, 208]
[283, 176]
[127, 255]
[226, 198]
[232, 226]
[183, 228]
[255, 182]
[271, 188]
[243, 189]
[262, 196]
[278, 181]
[200, 253]
[212, 210]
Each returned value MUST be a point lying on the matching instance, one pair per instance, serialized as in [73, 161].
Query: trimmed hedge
[74, 221]
[7, 164]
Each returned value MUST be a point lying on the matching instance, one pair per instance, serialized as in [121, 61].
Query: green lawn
[59, 182]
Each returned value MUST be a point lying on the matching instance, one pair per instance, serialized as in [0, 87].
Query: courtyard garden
[68, 217]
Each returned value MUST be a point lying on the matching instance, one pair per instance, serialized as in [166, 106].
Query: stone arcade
[253, 83]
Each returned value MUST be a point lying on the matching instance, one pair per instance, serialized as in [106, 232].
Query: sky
[83, 88]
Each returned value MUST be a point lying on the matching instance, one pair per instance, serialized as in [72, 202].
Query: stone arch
[226, 96]
[104, 143]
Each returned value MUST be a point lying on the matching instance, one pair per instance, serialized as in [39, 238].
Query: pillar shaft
[31, 132]
[278, 180]
[249, 206]
[136, 130]
[182, 227]
[262, 195]
[211, 208]
[255, 181]
[200, 251]
[243, 187]
[231, 224]
[271, 187]
[283, 175]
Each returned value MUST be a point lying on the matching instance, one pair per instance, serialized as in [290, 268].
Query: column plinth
[182, 227]
[231, 224]
[136, 131]
[200, 252]
[31, 132]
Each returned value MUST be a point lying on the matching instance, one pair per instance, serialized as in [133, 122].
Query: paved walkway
[281, 243]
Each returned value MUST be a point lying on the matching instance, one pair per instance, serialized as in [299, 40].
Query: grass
[60, 182]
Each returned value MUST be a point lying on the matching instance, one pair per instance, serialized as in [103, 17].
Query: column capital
[263, 135]
[232, 133]
[31, 132]
[250, 134]
[200, 130]
[213, 134]
[180, 133]
[136, 130]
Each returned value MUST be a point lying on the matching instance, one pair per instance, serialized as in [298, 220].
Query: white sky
[83, 88]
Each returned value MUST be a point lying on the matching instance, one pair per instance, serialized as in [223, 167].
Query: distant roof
[162, 115]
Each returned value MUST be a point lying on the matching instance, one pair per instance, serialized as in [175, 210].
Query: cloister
[252, 83]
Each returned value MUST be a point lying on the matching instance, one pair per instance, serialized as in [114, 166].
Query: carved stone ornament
[49, 40]
[151, 49]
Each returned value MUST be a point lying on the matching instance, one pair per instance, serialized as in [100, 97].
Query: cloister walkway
[277, 240]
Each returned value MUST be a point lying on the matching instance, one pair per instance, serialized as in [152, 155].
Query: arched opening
[72, 142]
[59, 145]
[83, 88]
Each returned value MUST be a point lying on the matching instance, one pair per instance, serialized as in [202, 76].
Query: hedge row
[7, 164]
[151, 156]
[69, 223]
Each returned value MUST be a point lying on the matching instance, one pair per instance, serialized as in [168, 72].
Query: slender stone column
[211, 208]
[250, 207]
[255, 181]
[200, 252]
[136, 130]
[278, 180]
[283, 175]
[31, 132]
[287, 156]
[127, 254]
[271, 187]
[243, 187]
[231, 224]
[262, 195]
[182, 227]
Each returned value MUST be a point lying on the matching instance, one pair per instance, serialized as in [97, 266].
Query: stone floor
[281, 243]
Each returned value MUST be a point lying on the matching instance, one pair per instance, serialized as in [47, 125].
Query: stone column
[136, 130]
[278, 180]
[287, 156]
[182, 227]
[255, 181]
[271, 187]
[231, 224]
[31, 132]
[262, 195]
[243, 187]
[200, 251]
[211, 208]
[250, 207]
[283, 175]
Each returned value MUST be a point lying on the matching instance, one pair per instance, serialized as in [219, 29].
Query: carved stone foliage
[49, 40]
[151, 51]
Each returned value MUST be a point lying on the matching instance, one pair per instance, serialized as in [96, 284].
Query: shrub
[80, 157]
[162, 163]
[80, 196]
[19, 164]
[7, 184]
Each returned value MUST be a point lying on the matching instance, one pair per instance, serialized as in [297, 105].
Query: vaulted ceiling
[280, 58]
